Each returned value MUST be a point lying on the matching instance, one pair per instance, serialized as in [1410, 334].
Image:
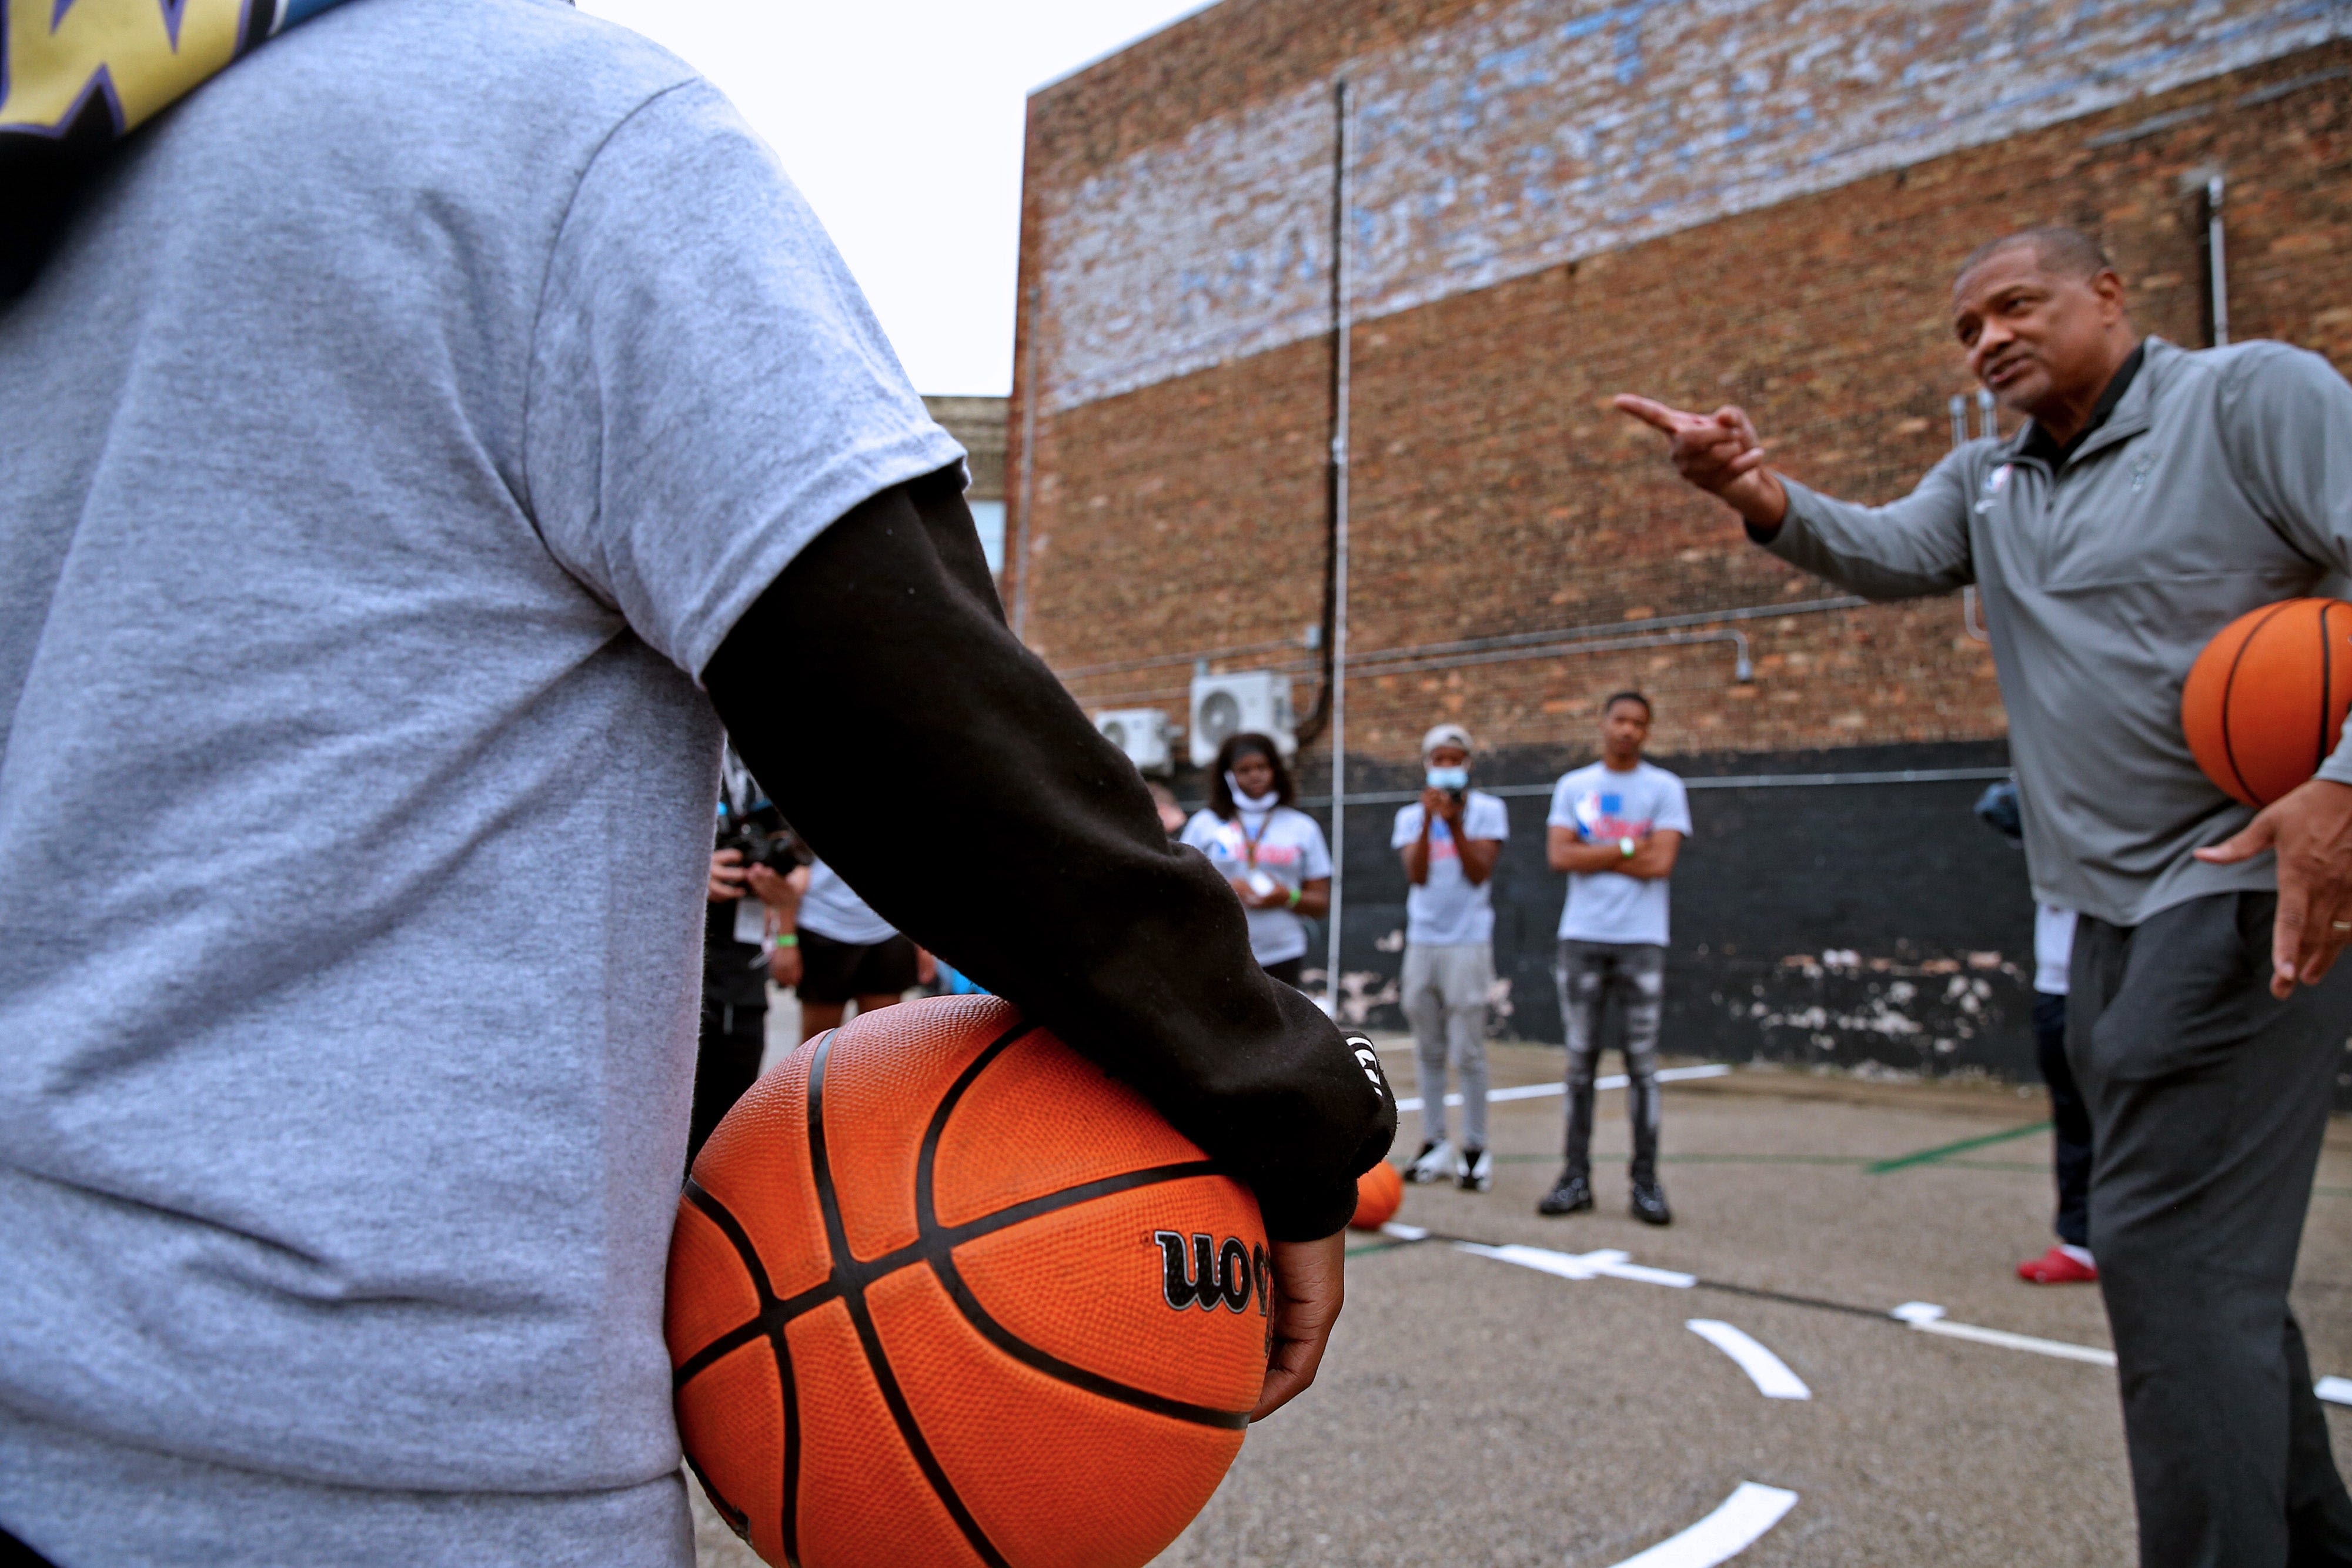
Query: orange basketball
[942, 1292]
[1379, 1191]
[2265, 703]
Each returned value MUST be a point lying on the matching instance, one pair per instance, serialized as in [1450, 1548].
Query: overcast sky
[901, 121]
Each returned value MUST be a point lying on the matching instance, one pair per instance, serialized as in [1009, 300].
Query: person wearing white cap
[1451, 838]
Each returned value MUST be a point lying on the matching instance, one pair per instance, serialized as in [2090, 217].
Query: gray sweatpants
[1445, 990]
[1590, 974]
[2208, 1100]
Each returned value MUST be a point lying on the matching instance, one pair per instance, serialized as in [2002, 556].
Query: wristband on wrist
[1297, 894]
[788, 938]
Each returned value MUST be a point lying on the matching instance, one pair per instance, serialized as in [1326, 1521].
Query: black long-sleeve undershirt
[939, 766]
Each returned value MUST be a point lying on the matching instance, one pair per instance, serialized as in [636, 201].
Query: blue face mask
[1456, 778]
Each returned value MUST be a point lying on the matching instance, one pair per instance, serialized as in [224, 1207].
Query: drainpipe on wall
[2215, 265]
[1336, 649]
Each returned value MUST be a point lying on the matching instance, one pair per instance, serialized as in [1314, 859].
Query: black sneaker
[1477, 1170]
[1648, 1204]
[1571, 1194]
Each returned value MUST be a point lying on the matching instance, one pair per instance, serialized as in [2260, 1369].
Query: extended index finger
[1655, 414]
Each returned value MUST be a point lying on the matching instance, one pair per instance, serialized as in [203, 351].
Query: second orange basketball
[2265, 703]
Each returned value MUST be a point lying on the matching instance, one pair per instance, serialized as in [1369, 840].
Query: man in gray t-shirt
[420, 438]
[1616, 827]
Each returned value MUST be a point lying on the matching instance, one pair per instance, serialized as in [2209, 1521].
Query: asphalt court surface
[1476, 1411]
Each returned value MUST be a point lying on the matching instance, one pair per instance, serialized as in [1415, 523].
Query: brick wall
[1494, 493]
[1179, 467]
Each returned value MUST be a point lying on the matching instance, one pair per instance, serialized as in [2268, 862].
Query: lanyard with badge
[1259, 881]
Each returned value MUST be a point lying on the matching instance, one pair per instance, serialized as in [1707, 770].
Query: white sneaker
[1437, 1162]
[1477, 1171]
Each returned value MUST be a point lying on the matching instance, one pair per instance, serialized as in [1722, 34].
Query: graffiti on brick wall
[1551, 130]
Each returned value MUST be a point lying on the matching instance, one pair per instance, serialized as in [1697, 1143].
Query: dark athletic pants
[726, 1065]
[2070, 1121]
[2208, 1100]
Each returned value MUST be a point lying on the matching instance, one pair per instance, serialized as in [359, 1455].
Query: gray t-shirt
[404, 421]
[1448, 910]
[1606, 806]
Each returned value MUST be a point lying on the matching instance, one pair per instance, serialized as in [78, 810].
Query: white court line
[1722, 1535]
[1614, 1080]
[1929, 1317]
[1925, 1316]
[1608, 1262]
[1768, 1372]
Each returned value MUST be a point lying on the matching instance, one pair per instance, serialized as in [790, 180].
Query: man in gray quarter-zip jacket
[2154, 495]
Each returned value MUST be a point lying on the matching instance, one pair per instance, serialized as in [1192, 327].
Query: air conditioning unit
[1142, 733]
[1226, 705]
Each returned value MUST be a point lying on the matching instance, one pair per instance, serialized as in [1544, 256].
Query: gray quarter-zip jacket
[2221, 482]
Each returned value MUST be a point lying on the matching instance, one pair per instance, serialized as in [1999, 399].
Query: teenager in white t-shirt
[1615, 828]
[1274, 855]
[849, 953]
[1450, 840]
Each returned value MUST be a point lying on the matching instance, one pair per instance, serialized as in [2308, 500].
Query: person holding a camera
[1451, 838]
[754, 894]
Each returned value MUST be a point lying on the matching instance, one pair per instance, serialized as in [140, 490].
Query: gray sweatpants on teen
[1445, 990]
[1590, 974]
[2208, 1100]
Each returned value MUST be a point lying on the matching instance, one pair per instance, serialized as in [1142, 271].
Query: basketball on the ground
[1379, 1191]
[2265, 703]
[943, 1292]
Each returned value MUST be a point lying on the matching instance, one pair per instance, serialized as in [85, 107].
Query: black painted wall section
[1853, 923]
[1867, 925]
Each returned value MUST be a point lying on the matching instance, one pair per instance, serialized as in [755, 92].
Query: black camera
[759, 836]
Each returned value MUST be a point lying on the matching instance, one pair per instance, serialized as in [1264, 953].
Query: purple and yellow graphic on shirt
[135, 58]
[1600, 814]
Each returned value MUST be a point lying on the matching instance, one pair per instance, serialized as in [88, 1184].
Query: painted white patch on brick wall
[1553, 129]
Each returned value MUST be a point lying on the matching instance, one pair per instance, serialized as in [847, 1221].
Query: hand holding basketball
[1309, 1282]
[1719, 453]
[2310, 829]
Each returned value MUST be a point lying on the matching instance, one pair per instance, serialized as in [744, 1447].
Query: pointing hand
[1719, 453]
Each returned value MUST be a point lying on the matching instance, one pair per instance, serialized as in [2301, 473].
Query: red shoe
[2056, 1267]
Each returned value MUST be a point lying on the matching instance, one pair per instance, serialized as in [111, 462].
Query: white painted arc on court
[1737, 1524]
[1925, 1316]
[1768, 1372]
[1614, 1080]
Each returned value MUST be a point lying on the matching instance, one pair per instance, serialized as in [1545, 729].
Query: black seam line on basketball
[744, 1333]
[2228, 683]
[787, 1509]
[737, 1237]
[777, 1313]
[1061, 1371]
[936, 1244]
[853, 1297]
[926, 1212]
